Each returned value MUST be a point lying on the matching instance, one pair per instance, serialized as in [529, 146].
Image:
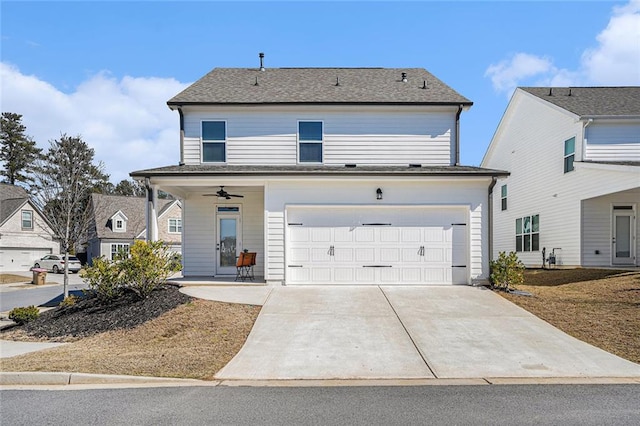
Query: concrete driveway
[409, 333]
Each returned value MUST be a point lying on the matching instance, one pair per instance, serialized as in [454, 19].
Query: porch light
[378, 194]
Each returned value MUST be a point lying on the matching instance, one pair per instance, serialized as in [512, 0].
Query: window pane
[527, 242]
[310, 131]
[535, 242]
[519, 243]
[213, 131]
[570, 146]
[311, 153]
[504, 204]
[568, 163]
[27, 219]
[526, 227]
[535, 223]
[213, 152]
[504, 191]
[518, 226]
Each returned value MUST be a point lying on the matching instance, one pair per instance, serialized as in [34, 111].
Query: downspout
[181, 163]
[494, 180]
[457, 148]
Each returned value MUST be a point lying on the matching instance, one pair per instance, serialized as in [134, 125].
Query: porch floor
[222, 280]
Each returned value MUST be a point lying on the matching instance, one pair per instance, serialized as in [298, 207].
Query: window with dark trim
[214, 141]
[310, 137]
[528, 233]
[27, 219]
[503, 195]
[569, 154]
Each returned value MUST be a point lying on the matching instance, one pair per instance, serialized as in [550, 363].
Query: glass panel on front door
[228, 240]
[623, 237]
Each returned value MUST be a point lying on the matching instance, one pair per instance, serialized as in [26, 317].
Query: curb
[60, 378]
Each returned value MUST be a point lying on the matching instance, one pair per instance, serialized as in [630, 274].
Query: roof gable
[12, 198]
[592, 101]
[319, 86]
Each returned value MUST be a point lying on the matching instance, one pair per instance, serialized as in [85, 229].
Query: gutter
[494, 180]
[181, 163]
[457, 142]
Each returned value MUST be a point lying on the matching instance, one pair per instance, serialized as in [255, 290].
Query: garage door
[18, 259]
[388, 246]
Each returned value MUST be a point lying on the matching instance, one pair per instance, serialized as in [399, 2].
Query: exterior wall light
[378, 194]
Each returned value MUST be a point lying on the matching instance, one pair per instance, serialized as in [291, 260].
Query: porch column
[151, 212]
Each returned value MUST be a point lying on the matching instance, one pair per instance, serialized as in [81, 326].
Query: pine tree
[18, 152]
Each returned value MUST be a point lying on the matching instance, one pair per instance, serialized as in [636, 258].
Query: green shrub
[24, 315]
[68, 301]
[506, 271]
[148, 266]
[104, 277]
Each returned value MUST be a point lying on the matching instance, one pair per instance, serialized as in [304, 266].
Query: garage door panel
[300, 255]
[299, 275]
[411, 275]
[437, 254]
[390, 275]
[343, 275]
[365, 275]
[364, 235]
[297, 234]
[410, 255]
[411, 235]
[390, 254]
[365, 255]
[389, 235]
[343, 235]
[344, 255]
[320, 254]
[320, 235]
[321, 275]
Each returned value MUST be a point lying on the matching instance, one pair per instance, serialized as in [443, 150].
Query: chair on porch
[244, 266]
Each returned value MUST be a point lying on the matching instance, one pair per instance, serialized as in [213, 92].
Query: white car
[55, 263]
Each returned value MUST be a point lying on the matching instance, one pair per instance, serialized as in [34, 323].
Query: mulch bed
[91, 316]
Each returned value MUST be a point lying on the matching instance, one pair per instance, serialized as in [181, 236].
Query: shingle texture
[592, 101]
[319, 86]
[12, 198]
[227, 170]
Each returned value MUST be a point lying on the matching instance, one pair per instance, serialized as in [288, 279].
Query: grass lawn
[600, 307]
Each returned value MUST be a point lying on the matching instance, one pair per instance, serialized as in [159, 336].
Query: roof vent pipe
[337, 81]
[424, 84]
[569, 92]
[404, 77]
[550, 91]
[261, 55]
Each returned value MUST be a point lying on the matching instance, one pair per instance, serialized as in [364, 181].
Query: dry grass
[603, 311]
[194, 340]
[12, 279]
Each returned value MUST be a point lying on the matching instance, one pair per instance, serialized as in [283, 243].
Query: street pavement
[25, 294]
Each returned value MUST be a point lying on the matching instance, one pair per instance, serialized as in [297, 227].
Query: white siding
[12, 236]
[199, 230]
[530, 144]
[366, 137]
[613, 141]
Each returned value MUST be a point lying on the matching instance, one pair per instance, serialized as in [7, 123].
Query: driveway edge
[63, 378]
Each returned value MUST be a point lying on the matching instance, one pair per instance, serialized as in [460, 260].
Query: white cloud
[126, 121]
[615, 60]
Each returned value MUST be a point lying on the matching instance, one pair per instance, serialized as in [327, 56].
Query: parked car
[55, 263]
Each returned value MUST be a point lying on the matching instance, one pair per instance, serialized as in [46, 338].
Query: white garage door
[19, 259]
[388, 245]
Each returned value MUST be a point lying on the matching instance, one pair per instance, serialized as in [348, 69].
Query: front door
[623, 232]
[229, 241]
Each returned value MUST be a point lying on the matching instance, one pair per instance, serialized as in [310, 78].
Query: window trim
[566, 156]
[503, 197]
[26, 228]
[321, 142]
[178, 229]
[121, 245]
[117, 228]
[520, 248]
[203, 141]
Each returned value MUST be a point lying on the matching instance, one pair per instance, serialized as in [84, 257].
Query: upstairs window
[569, 154]
[528, 233]
[120, 225]
[310, 136]
[214, 138]
[175, 226]
[27, 219]
[503, 195]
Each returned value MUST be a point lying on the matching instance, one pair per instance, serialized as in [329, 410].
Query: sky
[105, 70]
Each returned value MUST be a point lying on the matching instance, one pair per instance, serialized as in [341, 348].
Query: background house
[24, 233]
[574, 158]
[118, 221]
[332, 175]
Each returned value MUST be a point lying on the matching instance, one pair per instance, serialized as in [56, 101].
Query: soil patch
[604, 312]
[12, 279]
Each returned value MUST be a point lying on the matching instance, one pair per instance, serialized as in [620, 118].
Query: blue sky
[105, 70]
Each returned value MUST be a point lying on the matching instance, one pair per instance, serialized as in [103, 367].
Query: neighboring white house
[332, 175]
[25, 235]
[117, 221]
[574, 158]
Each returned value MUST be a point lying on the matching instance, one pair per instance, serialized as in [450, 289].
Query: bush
[68, 301]
[507, 271]
[24, 315]
[145, 268]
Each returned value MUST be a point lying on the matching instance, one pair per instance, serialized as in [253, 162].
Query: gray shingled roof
[12, 198]
[592, 101]
[318, 86]
[105, 206]
[227, 170]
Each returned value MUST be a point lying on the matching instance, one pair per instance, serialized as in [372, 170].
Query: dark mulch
[554, 277]
[90, 316]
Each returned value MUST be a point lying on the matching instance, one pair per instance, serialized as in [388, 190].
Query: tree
[130, 188]
[63, 181]
[18, 151]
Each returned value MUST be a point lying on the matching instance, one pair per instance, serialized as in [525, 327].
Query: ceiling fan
[223, 194]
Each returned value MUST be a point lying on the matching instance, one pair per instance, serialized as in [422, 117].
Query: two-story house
[25, 235]
[332, 175]
[117, 221]
[574, 187]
